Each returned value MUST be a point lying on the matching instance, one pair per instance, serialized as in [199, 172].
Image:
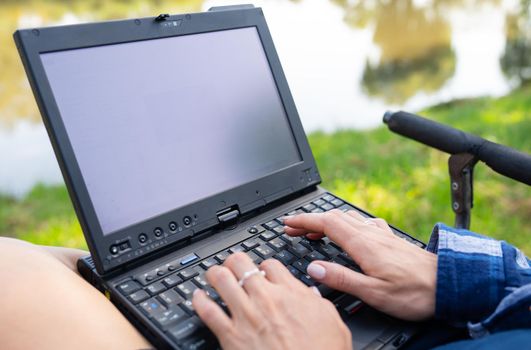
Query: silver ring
[248, 274]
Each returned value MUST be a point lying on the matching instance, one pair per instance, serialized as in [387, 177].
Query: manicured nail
[287, 217]
[316, 291]
[316, 271]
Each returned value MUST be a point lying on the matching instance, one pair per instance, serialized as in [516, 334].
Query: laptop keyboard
[164, 294]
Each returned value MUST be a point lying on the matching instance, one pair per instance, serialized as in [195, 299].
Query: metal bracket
[461, 168]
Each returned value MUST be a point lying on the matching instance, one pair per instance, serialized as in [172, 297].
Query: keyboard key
[264, 251]
[336, 202]
[301, 265]
[185, 329]
[188, 259]
[351, 263]
[279, 230]
[221, 257]
[236, 249]
[285, 257]
[277, 244]
[268, 235]
[200, 280]
[172, 280]
[315, 255]
[188, 307]
[207, 263]
[171, 297]
[251, 243]
[317, 211]
[329, 198]
[325, 290]
[307, 280]
[128, 287]
[271, 224]
[139, 296]
[189, 273]
[156, 288]
[255, 258]
[169, 317]
[211, 292]
[346, 207]
[296, 273]
[328, 250]
[298, 250]
[151, 307]
[339, 261]
[319, 202]
[310, 244]
[309, 207]
[290, 240]
[327, 207]
[186, 289]
[200, 342]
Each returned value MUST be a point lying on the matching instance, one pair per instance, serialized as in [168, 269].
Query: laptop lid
[165, 126]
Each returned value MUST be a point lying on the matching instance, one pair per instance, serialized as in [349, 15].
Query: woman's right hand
[399, 278]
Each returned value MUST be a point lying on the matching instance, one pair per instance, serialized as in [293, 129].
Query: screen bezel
[250, 196]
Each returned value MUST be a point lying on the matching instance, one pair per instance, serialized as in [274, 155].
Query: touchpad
[373, 330]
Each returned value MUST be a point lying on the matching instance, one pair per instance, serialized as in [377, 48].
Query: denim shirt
[482, 283]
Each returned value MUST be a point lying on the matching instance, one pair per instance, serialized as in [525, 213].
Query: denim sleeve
[481, 282]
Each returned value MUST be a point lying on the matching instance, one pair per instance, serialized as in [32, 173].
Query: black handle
[502, 159]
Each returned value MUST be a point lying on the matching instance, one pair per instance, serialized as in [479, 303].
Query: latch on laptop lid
[228, 216]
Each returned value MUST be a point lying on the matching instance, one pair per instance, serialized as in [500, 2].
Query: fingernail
[316, 291]
[316, 271]
[196, 292]
[287, 217]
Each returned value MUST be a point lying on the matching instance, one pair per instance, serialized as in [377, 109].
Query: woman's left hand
[271, 311]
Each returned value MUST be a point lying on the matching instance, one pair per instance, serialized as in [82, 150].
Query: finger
[357, 219]
[211, 314]
[314, 236]
[290, 231]
[277, 273]
[356, 215]
[343, 279]
[294, 232]
[240, 264]
[333, 224]
[315, 290]
[225, 283]
[381, 223]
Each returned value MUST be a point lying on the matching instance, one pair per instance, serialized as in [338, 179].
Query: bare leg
[45, 304]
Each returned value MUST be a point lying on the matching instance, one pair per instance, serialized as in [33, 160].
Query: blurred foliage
[516, 60]
[397, 179]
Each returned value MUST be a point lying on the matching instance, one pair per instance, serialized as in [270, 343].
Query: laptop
[180, 144]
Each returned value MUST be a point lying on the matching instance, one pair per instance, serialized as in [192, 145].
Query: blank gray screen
[159, 124]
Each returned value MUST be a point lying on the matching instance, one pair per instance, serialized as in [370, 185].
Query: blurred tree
[516, 60]
[414, 41]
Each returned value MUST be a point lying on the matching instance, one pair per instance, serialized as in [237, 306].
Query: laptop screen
[159, 124]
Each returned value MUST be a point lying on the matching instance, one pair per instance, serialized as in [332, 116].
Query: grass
[394, 178]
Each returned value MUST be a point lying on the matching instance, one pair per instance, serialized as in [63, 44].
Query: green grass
[392, 177]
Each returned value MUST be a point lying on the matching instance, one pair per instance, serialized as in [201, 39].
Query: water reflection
[415, 52]
[516, 61]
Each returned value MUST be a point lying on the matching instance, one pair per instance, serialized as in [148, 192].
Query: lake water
[346, 61]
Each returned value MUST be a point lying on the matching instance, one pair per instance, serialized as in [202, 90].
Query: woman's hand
[399, 278]
[274, 311]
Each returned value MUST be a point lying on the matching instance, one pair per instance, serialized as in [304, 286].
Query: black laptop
[180, 144]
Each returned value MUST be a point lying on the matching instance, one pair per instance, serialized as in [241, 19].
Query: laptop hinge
[228, 215]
